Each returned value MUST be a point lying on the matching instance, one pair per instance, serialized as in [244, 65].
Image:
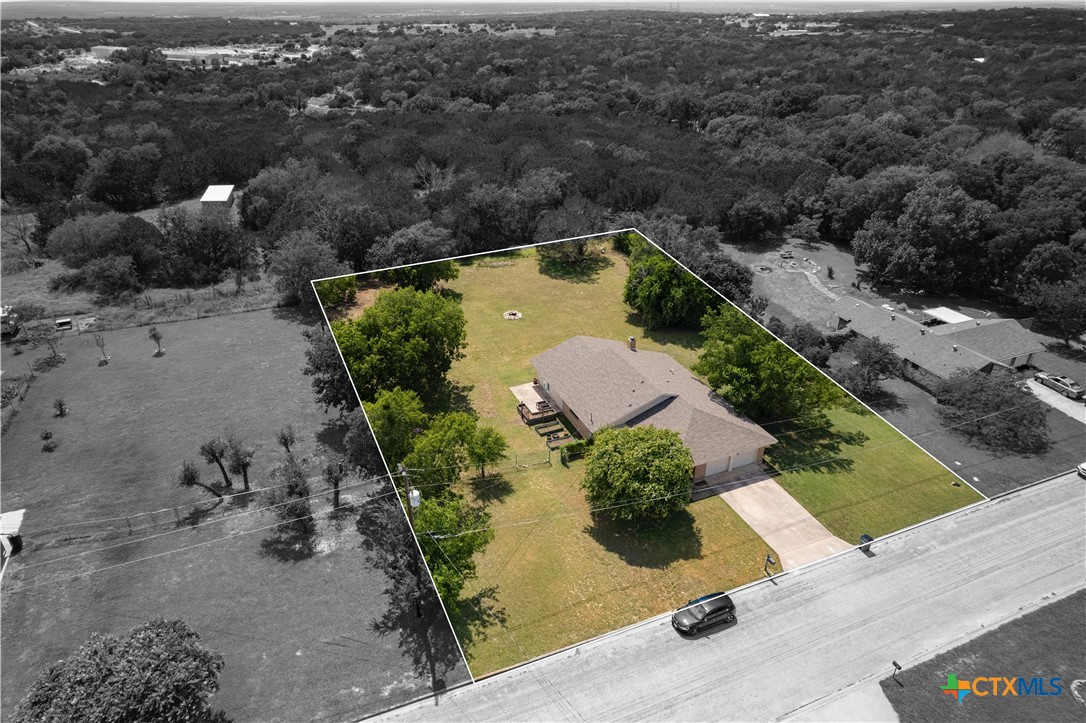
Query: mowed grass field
[860, 475]
[552, 576]
[294, 630]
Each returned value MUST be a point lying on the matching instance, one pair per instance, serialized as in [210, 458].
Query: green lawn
[875, 480]
[295, 630]
[552, 576]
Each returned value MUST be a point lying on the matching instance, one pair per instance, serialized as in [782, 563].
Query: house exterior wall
[920, 376]
[218, 205]
[1018, 361]
[580, 426]
[549, 394]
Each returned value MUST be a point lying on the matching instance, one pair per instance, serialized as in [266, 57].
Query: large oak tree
[408, 338]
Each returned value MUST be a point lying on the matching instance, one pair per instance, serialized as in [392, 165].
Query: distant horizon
[777, 6]
[346, 11]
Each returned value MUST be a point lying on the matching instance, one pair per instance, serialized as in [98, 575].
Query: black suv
[707, 610]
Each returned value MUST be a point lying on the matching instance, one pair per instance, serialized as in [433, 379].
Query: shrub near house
[638, 472]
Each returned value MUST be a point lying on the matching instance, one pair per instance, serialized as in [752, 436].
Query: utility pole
[413, 499]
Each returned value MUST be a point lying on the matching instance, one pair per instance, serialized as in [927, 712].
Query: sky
[796, 5]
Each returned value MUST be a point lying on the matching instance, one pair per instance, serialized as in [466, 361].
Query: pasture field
[294, 622]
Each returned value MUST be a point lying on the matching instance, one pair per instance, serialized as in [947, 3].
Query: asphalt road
[817, 631]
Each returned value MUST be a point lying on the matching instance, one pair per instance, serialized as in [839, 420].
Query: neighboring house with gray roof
[600, 383]
[931, 354]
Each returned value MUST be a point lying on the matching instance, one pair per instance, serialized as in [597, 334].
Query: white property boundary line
[607, 234]
[328, 325]
[827, 376]
[601, 234]
[754, 583]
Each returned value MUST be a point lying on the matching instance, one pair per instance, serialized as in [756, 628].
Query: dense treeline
[886, 134]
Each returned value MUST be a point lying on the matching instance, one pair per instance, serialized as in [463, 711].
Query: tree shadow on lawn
[649, 543]
[454, 398]
[886, 402]
[332, 433]
[814, 446]
[473, 616]
[425, 638]
[771, 243]
[809, 245]
[199, 513]
[450, 294]
[685, 338]
[292, 542]
[493, 488]
[586, 271]
[1060, 349]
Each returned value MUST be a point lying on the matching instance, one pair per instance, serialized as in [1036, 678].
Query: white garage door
[744, 459]
[716, 466]
[721, 465]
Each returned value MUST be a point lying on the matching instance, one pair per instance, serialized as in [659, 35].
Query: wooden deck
[532, 407]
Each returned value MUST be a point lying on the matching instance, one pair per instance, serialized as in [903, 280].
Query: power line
[776, 473]
[198, 525]
[81, 523]
[533, 521]
[193, 546]
[226, 517]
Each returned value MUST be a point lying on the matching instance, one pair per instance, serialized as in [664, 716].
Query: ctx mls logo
[983, 687]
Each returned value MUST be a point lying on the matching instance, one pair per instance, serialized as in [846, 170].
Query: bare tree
[20, 227]
[333, 477]
[214, 451]
[189, 476]
[286, 437]
[45, 335]
[156, 336]
[240, 458]
[100, 342]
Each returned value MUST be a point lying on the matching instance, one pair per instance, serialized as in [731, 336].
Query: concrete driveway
[796, 536]
[1073, 408]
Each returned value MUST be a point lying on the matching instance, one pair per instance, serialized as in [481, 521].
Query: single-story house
[930, 354]
[1004, 341]
[600, 383]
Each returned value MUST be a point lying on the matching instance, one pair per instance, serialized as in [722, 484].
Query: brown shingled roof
[605, 383]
